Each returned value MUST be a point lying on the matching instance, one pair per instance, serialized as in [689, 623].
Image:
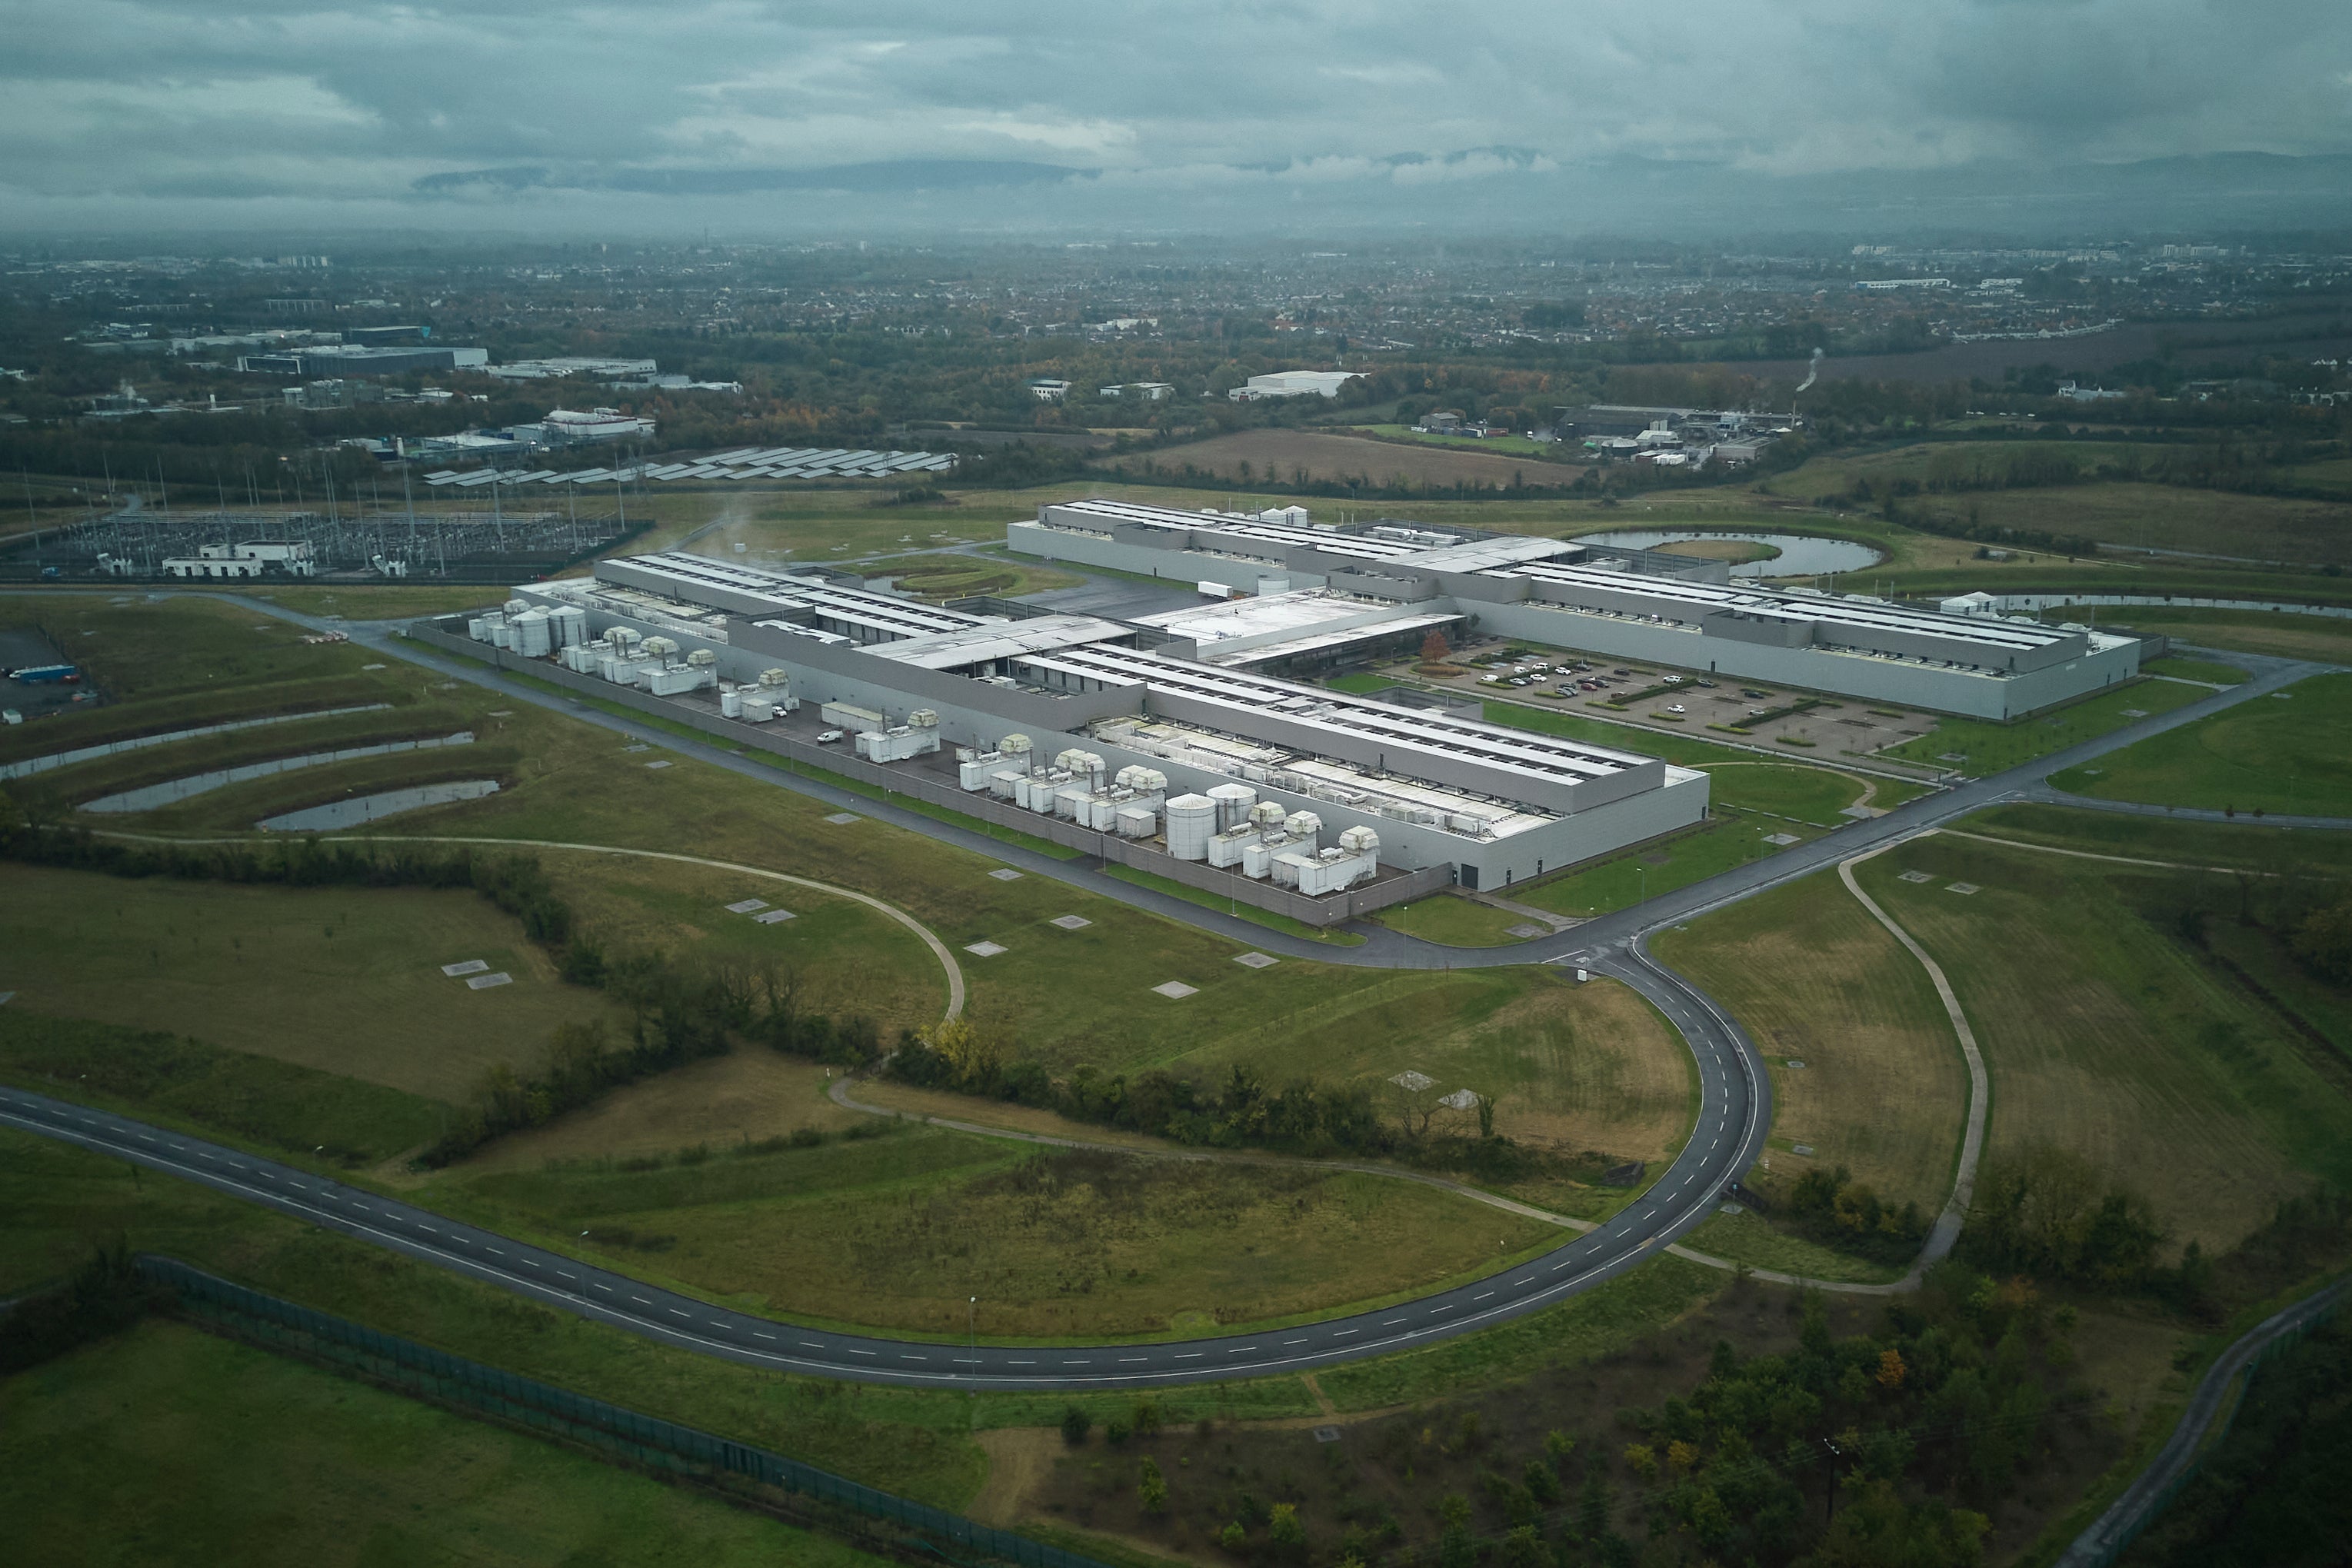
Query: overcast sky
[249, 112]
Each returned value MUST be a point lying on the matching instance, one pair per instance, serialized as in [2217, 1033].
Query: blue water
[361, 809]
[1801, 555]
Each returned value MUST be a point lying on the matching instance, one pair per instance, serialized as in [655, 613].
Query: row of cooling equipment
[1229, 827]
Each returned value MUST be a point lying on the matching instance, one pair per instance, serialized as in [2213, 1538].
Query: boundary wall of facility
[635, 1439]
[1392, 887]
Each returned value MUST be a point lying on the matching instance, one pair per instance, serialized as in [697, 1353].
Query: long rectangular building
[1497, 804]
[1633, 604]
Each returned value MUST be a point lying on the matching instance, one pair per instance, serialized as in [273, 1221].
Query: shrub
[1075, 1425]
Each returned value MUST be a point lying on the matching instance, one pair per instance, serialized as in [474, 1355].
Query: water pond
[1793, 555]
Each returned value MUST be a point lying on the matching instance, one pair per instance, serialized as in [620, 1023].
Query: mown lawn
[168, 1444]
[1638, 873]
[1986, 747]
[2290, 752]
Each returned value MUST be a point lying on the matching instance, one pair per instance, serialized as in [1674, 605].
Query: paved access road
[1734, 1116]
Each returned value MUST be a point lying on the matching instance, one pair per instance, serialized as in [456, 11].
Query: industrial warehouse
[1676, 611]
[1120, 730]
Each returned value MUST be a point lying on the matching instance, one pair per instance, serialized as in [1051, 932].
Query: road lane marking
[854, 1350]
[1343, 1333]
[1180, 1355]
[675, 1313]
[1482, 1295]
[757, 1334]
[1238, 1352]
[641, 1300]
[1125, 1359]
[811, 1344]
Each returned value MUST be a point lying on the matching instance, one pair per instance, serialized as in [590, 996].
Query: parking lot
[1722, 709]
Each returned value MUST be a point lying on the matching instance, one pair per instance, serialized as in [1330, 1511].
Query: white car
[1676, 708]
[828, 736]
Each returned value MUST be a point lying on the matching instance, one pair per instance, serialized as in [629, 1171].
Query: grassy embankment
[2290, 752]
[1881, 1089]
[2104, 1034]
[2280, 633]
[169, 1444]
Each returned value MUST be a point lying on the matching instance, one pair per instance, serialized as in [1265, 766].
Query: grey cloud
[124, 100]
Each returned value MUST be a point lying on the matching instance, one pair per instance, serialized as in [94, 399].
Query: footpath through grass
[169, 1444]
[2108, 1035]
[2289, 752]
[1984, 748]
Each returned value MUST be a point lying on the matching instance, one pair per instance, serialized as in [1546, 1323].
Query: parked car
[828, 736]
[1748, 692]
[1675, 707]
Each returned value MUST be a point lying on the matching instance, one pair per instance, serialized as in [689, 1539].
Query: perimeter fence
[637, 1438]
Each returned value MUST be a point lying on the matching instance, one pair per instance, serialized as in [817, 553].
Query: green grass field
[2242, 845]
[896, 1232]
[169, 1445]
[2106, 1036]
[2282, 634]
[343, 980]
[2289, 752]
[1452, 921]
[1986, 747]
[2112, 511]
[1627, 879]
[2209, 671]
[1814, 980]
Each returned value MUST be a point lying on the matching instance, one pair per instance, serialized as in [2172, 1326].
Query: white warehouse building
[1111, 701]
[1679, 612]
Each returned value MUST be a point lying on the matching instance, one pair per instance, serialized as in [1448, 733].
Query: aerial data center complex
[1181, 732]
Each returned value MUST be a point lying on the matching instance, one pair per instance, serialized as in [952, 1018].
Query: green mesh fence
[646, 1439]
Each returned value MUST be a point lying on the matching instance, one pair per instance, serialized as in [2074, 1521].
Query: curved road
[1733, 1115]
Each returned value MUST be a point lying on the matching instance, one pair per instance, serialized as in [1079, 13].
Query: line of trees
[1302, 1115]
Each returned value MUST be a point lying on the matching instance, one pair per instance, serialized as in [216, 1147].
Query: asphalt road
[1733, 1115]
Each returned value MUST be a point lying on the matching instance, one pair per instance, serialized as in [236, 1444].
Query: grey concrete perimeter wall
[1392, 887]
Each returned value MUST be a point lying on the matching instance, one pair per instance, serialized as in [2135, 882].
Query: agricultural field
[1881, 1089]
[1322, 455]
[2290, 752]
[1511, 446]
[2104, 1034]
[1978, 746]
[2118, 511]
[169, 1444]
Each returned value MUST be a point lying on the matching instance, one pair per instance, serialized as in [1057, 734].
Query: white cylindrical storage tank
[1191, 819]
[1234, 802]
[569, 624]
[533, 638]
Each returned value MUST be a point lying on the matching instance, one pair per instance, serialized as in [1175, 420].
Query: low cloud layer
[173, 108]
